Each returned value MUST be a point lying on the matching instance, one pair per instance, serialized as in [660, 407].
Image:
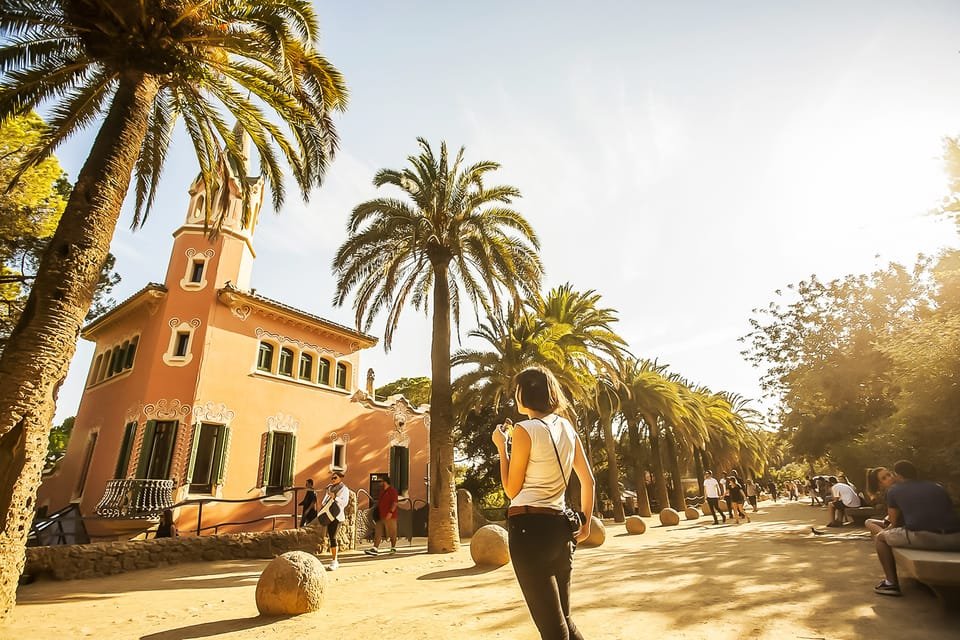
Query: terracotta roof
[323, 322]
[112, 313]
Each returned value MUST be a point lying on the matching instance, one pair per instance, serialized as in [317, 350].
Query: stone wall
[69, 562]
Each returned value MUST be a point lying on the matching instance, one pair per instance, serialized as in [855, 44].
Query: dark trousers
[542, 555]
[332, 532]
[753, 501]
[715, 509]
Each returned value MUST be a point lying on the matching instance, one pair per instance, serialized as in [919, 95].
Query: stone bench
[939, 570]
[860, 515]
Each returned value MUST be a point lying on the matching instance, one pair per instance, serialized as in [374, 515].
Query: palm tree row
[644, 415]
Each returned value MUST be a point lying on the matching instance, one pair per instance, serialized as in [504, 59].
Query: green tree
[29, 213]
[450, 237]
[135, 68]
[416, 390]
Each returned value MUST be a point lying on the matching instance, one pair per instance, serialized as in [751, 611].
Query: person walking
[544, 450]
[386, 525]
[335, 501]
[309, 504]
[736, 497]
[751, 490]
[712, 491]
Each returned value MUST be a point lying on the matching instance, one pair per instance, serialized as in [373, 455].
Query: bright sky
[683, 159]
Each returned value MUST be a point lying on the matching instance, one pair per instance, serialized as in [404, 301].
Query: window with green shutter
[207, 457]
[323, 371]
[279, 453]
[126, 448]
[156, 454]
[400, 468]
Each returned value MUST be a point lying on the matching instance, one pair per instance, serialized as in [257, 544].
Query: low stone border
[70, 562]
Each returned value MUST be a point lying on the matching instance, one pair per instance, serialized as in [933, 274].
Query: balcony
[131, 499]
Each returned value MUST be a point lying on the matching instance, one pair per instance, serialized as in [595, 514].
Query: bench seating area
[862, 514]
[939, 570]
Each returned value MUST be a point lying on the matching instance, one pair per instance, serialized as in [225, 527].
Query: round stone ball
[723, 505]
[705, 506]
[635, 524]
[669, 517]
[292, 583]
[598, 533]
[691, 513]
[489, 546]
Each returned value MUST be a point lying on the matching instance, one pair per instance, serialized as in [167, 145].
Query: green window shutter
[288, 467]
[197, 428]
[393, 468]
[146, 448]
[403, 479]
[267, 456]
[223, 440]
[168, 452]
[123, 461]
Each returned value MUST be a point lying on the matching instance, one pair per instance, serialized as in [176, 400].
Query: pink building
[202, 388]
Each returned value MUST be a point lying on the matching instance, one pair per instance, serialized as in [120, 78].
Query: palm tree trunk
[673, 457]
[38, 353]
[443, 533]
[660, 485]
[698, 463]
[613, 471]
[643, 500]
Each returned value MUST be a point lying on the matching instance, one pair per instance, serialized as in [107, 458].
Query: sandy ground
[768, 579]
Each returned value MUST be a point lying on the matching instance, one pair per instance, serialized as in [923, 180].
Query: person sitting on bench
[844, 497]
[921, 517]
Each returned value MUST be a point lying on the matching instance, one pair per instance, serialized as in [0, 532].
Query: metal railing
[135, 499]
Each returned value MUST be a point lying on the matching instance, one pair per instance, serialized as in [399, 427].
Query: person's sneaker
[334, 566]
[834, 524]
[887, 589]
[372, 551]
[393, 550]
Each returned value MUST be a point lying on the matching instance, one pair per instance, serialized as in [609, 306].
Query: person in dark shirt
[166, 528]
[309, 504]
[921, 517]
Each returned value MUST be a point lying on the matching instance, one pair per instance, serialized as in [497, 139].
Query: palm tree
[451, 236]
[139, 66]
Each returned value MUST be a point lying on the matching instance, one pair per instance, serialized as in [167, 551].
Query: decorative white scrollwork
[213, 412]
[263, 333]
[283, 422]
[166, 410]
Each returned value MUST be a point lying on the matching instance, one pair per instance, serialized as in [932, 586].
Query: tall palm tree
[450, 236]
[137, 67]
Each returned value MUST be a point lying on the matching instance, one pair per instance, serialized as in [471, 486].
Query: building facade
[201, 388]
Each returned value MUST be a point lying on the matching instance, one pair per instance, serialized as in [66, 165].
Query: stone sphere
[691, 513]
[635, 524]
[669, 517]
[722, 504]
[598, 533]
[489, 546]
[291, 584]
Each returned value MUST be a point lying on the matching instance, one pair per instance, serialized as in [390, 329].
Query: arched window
[306, 366]
[131, 353]
[323, 371]
[341, 375]
[286, 362]
[265, 357]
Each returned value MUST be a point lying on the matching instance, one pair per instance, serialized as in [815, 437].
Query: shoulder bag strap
[557, 452]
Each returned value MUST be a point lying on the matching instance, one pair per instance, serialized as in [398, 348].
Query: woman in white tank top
[545, 449]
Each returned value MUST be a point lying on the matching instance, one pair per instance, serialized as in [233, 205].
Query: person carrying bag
[544, 451]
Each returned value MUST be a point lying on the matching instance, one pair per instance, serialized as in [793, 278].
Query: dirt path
[769, 579]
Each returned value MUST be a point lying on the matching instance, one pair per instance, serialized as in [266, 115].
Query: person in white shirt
[337, 496]
[545, 450]
[712, 490]
[844, 497]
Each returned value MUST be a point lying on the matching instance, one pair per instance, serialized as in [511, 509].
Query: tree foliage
[416, 390]
[29, 213]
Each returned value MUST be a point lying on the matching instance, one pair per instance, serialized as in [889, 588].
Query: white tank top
[543, 484]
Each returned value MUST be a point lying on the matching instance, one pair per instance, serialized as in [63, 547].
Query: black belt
[540, 511]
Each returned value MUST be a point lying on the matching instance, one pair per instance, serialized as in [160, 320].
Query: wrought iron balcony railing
[129, 498]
